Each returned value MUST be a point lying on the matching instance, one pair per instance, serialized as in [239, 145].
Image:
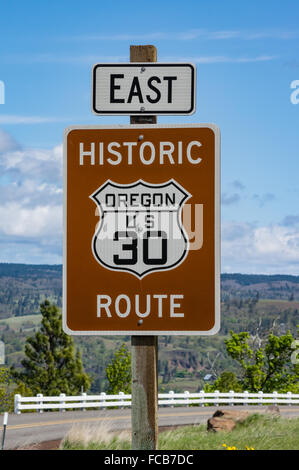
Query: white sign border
[216, 326]
[145, 113]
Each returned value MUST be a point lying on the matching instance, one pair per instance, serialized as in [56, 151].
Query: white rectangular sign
[144, 88]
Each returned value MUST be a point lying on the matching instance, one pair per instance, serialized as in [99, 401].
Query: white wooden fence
[84, 401]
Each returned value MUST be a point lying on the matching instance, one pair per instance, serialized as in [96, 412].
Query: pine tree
[52, 366]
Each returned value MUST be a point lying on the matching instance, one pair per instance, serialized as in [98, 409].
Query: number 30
[133, 247]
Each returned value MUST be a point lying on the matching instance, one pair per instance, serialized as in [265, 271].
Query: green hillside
[254, 303]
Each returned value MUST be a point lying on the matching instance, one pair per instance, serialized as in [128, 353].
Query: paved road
[30, 428]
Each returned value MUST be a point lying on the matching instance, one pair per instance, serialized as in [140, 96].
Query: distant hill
[263, 286]
[247, 279]
[249, 303]
[24, 286]
[34, 270]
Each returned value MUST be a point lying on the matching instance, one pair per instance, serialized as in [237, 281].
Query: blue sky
[246, 55]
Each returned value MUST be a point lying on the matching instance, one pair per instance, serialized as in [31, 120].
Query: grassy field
[22, 322]
[256, 433]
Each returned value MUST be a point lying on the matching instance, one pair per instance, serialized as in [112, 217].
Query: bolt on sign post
[142, 234]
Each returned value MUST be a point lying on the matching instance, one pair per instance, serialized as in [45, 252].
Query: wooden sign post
[144, 348]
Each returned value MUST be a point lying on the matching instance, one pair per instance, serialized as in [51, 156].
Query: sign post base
[144, 392]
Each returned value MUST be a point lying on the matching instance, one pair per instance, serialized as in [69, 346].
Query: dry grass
[91, 436]
[261, 432]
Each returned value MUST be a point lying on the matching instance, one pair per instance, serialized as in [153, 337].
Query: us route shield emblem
[140, 229]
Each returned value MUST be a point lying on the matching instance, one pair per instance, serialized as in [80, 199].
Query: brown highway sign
[142, 230]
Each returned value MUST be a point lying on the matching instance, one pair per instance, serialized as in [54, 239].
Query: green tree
[118, 372]
[52, 366]
[225, 383]
[5, 392]
[8, 389]
[267, 367]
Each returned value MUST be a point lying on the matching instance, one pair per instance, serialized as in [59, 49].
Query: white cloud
[38, 221]
[14, 119]
[269, 249]
[35, 164]
[279, 242]
[16, 251]
[7, 142]
[30, 203]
